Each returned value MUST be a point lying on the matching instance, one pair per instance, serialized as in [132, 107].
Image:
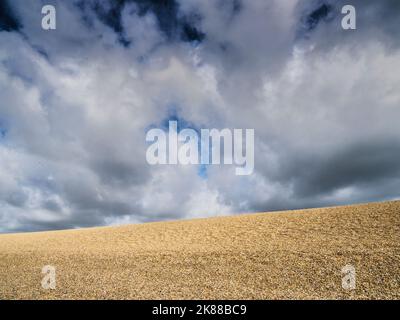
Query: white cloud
[76, 105]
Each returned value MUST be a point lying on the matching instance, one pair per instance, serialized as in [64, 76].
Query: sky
[75, 104]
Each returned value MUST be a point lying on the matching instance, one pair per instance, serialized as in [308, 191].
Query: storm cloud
[75, 104]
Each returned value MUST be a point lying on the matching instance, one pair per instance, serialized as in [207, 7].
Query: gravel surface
[281, 255]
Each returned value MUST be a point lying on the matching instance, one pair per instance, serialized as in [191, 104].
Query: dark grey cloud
[8, 19]
[318, 13]
[321, 21]
[364, 163]
[170, 22]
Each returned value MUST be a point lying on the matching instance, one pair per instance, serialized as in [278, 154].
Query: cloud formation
[75, 104]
